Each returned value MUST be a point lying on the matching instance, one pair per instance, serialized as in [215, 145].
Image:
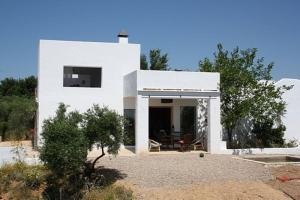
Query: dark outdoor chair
[186, 143]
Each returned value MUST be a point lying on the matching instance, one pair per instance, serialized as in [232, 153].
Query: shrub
[64, 152]
[268, 136]
[22, 181]
[16, 117]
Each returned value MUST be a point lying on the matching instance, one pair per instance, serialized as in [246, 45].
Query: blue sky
[187, 30]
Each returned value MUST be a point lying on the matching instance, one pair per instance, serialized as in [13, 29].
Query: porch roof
[178, 93]
[171, 84]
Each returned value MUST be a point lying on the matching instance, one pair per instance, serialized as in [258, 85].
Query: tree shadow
[108, 175]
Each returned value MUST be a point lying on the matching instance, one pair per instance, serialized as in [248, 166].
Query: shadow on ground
[109, 175]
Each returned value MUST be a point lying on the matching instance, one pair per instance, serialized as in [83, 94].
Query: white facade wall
[291, 118]
[115, 59]
[177, 80]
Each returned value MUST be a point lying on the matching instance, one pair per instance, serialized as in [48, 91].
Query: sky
[187, 30]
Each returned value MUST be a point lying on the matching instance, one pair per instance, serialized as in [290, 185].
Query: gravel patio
[184, 169]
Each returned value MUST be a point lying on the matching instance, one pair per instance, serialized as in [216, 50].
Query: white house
[81, 74]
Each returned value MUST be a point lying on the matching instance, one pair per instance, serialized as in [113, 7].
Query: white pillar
[201, 115]
[142, 124]
[214, 126]
[176, 118]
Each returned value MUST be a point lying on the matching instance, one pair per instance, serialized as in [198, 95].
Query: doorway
[159, 122]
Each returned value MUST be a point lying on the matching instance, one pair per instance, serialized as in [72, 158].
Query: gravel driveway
[184, 169]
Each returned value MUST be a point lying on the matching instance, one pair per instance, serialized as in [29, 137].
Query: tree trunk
[94, 162]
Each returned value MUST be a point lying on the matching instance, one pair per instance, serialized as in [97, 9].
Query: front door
[159, 121]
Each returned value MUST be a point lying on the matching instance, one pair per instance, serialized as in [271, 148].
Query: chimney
[123, 37]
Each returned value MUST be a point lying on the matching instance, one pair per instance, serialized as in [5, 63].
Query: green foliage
[104, 127]
[157, 60]
[22, 181]
[247, 91]
[67, 137]
[109, 193]
[64, 149]
[17, 108]
[144, 63]
[64, 152]
[268, 136]
[16, 117]
[18, 87]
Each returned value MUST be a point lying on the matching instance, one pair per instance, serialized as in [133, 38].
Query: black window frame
[94, 81]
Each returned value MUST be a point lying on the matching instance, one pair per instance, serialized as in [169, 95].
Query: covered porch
[175, 120]
[166, 106]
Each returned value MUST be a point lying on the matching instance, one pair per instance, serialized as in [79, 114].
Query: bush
[16, 117]
[268, 136]
[64, 152]
[109, 193]
[22, 181]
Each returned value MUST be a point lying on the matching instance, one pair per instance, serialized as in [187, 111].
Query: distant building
[292, 117]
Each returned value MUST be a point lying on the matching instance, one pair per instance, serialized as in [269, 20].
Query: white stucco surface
[115, 59]
[145, 80]
[291, 118]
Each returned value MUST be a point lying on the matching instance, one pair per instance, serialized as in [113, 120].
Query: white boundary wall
[295, 150]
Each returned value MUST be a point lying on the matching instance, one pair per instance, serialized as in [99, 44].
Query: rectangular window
[82, 76]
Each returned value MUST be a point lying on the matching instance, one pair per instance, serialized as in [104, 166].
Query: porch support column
[214, 126]
[142, 124]
[176, 118]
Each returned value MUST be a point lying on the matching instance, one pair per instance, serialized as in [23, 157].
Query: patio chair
[197, 144]
[186, 142]
[153, 145]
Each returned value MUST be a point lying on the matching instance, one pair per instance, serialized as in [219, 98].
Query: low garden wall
[293, 150]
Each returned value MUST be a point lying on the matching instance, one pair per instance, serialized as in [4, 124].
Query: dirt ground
[178, 177]
[230, 190]
[291, 188]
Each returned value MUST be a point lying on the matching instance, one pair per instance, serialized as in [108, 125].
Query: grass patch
[111, 192]
[22, 181]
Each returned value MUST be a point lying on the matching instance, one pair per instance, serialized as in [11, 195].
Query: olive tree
[104, 127]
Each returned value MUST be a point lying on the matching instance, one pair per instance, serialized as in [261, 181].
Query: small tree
[104, 127]
[247, 91]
